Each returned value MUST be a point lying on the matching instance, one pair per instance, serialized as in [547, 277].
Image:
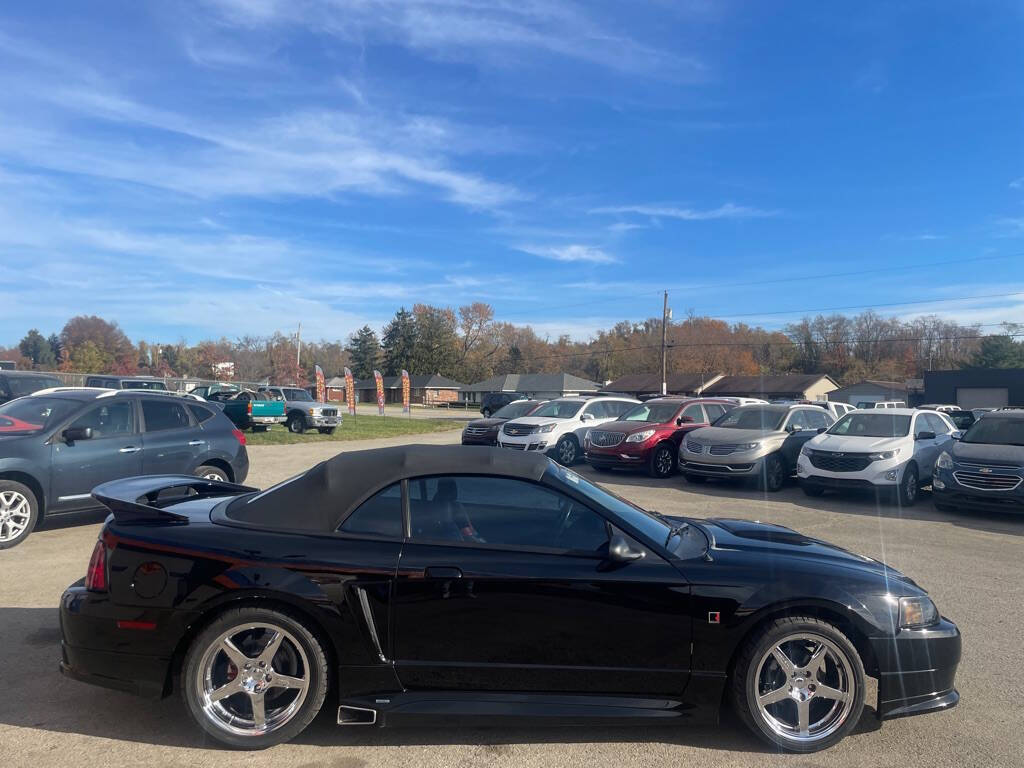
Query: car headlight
[805, 450]
[312, 411]
[749, 446]
[639, 437]
[883, 455]
[917, 612]
[548, 427]
[945, 461]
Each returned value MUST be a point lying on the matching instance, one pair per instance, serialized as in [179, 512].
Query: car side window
[379, 515]
[695, 412]
[598, 409]
[935, 424]
[202, 414]
[161, 415]
[817, 420]
[619, 407]
[501, 511]
[112, 419]
[714, 410]
[798, 419]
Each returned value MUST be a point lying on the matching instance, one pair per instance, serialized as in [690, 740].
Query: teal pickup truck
[248, 409]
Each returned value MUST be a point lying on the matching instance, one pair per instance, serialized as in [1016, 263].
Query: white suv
[894, 448]
[557, 428]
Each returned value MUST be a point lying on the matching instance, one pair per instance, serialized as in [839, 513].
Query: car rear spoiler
[137, 499]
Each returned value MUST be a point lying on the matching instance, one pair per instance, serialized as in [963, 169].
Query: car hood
[780, 541]
[536, 421]
[826, 442]
[491, 422]
[988, 453]
[721, 435]
[629, 427]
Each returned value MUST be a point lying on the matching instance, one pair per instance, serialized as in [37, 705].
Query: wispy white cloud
[569, 253]
[918, 238]
[1017, 183]
[725, 211]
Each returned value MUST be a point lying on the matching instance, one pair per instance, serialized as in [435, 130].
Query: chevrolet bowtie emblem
[986, 470]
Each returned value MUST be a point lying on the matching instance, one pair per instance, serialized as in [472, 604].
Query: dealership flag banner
[405, 392]
[321, 385]
[350, 392]
[380, 392]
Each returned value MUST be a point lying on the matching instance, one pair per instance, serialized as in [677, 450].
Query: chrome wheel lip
[15, 515]
[802, 689]
[254, 685]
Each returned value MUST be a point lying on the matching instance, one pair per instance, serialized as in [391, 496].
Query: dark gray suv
[57, 445]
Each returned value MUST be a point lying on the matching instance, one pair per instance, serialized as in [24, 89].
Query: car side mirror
[621, 551]
[71, 434]
[956, 434]
[791, 428]
[684, 420]
[925, 435]
[587, 417]
[821, 429]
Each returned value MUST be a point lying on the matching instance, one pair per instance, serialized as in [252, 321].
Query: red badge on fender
[714, 617]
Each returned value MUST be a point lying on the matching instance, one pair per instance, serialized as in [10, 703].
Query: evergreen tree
[998, 352]
[399, 342]
[37, 349]
[364, 352]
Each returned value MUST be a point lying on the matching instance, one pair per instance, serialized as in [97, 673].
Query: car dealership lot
[970, 564]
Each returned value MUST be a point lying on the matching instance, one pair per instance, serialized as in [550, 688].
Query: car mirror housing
[925, 435]
[956, 434]
[587, 417]
[71, 434]
[684, 420]
[822, 429]
[621, 551]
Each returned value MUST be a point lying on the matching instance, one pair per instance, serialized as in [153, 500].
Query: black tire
[316, 674]
[909, 488]
[15, 523]
[212, 473]
[695, 479]
[296, 423]
[814, 491]
[772, 476]
[745, 683]
[567, 450]
[326, 430]
[663, 461]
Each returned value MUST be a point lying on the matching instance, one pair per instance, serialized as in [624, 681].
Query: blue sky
[223, 167]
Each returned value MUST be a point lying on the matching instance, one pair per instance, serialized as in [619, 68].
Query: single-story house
[790, 386]
[541, 386]
[424, 389]
[975, 387]
[336, 389]
[870, 391]
[641, 384]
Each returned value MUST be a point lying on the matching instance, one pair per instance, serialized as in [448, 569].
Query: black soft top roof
[320, 498]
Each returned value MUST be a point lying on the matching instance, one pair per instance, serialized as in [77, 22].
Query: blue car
[56, 445]
[984, 470]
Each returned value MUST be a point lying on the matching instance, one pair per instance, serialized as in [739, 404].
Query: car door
[506, 585]
[801, 432]
[927, 451]
[172, 444]
[113, 452]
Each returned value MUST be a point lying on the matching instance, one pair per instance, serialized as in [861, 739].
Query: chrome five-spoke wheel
[805, 688]
[17, 514]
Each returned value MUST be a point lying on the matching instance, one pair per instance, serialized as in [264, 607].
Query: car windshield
[26, 385]
[872, 425]
[752, 417]
[30, 415]
[996, 430]
[558, 409]
[514, 410]
[655, 413]
[297, 394]
[137, 384]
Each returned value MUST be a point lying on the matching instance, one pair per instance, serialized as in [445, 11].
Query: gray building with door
[870, 391]
[975, 387]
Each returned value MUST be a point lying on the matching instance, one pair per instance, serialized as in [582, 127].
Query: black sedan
[451, 584]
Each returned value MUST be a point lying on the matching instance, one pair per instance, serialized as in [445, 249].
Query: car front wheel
[19, 511]
[663, 461]
[254, 677]
[296, 424]
[773, 473]
[567, 451]
[799, 684]
[909, 486]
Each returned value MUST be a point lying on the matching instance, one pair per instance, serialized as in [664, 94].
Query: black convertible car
[465, 584]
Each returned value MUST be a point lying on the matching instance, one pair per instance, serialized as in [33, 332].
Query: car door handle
[129, 449]
[442, 572]
[196, 442]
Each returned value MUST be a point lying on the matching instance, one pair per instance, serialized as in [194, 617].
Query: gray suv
[759, 442]
[57, 445]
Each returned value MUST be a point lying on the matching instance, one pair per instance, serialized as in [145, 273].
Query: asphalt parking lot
[972, 566]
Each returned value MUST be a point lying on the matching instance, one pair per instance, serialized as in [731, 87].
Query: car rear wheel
[773, 474]
[19, 511]
[208, 472]
[799, 684]
[663, 461]
[254, 678]
[567, 451]
[296, 424]
[906, 493]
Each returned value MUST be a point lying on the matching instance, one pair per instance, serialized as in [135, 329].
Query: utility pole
[298, 345]
[665, 314]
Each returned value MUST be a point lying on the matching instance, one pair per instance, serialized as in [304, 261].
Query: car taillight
[239, 435]
[96, 576]
[248, 407]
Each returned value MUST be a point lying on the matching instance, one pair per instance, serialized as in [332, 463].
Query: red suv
[648, 435]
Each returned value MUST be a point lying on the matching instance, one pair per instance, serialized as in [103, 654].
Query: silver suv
[759, 442]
